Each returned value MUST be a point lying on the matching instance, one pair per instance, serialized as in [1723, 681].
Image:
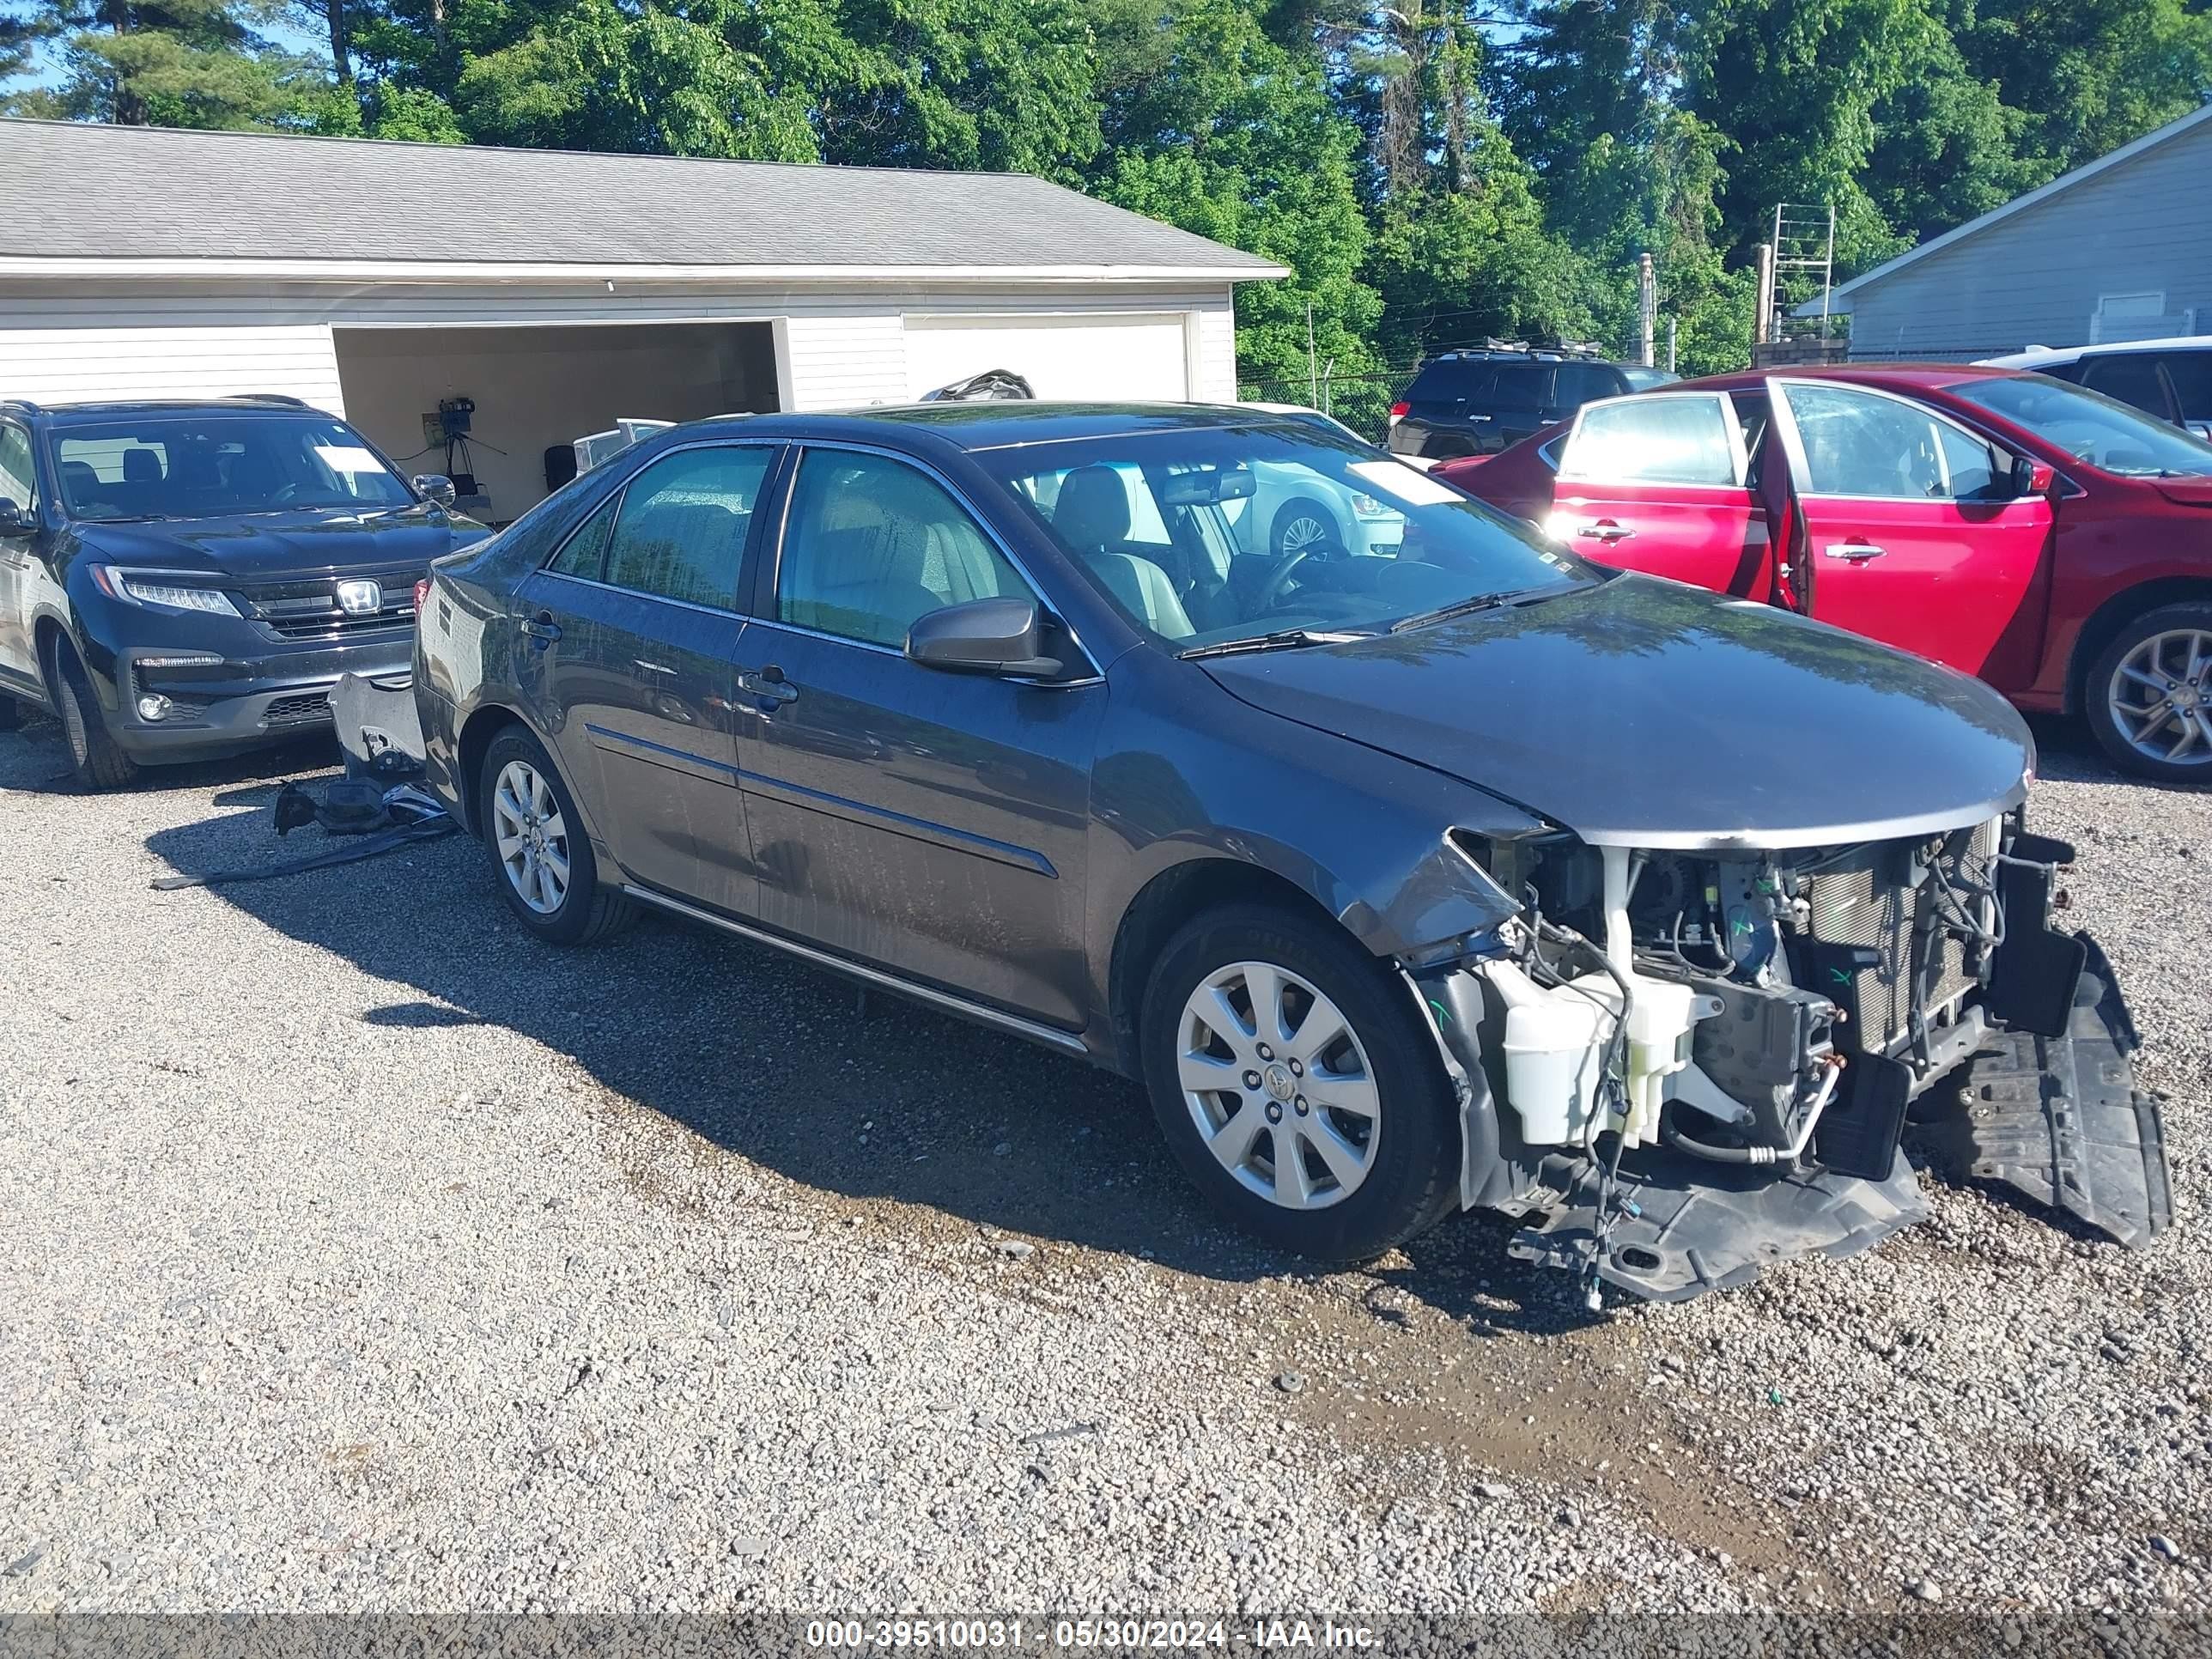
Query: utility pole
[1672, 323]
[1647, 286]
[1762, 324]
[1313, 374]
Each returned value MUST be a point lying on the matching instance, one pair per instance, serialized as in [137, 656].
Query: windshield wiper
[1281, 639]
[1446, 612]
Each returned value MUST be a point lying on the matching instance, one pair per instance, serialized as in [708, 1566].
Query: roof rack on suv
[23, 404]
[284, 398]
[1542, 350]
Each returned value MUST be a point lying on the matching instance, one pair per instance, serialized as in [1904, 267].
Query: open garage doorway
[536, 387]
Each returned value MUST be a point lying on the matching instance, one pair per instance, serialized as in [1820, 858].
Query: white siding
[836, 349]
[1141, 356]
[167, 360]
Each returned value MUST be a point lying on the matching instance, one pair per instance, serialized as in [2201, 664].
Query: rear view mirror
[435, 486]
[2031, 477]
[982, 636]
[1208, 487]
[14, 519]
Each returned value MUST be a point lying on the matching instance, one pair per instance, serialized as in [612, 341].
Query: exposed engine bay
[1684, 1065]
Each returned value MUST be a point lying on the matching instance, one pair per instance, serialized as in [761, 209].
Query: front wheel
[95, 758]
[1302, 526]
[1297, 1085]
[538, 846]
[2148, 697]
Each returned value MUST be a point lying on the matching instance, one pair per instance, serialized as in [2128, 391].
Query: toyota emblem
[359, 598]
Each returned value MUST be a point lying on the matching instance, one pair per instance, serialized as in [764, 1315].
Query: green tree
[1213, 124]
[177, 63]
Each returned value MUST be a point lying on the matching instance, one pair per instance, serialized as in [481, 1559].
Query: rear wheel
[538, 847]
[1296, 1084]
[96, 758]
[2148, 696]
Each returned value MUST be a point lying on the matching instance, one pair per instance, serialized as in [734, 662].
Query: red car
[2051, 541]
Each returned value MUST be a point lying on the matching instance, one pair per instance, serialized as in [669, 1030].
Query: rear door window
[1574, 385]
[1523, 387]
[680, 532]
[1657, 438]
[2132, 377]
[1453, 379]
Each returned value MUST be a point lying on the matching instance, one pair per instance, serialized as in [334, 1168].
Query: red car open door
[1913, 531]
[1656, 483]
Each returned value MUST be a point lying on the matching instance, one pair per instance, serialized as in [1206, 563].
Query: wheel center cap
[1280, 1081]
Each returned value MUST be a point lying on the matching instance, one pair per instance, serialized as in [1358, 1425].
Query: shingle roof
[139, 193]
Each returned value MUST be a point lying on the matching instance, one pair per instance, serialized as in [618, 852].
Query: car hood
[1641, 712]
[256, 546]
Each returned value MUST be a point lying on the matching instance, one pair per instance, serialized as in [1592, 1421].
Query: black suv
[183, 579]
[1479, 401]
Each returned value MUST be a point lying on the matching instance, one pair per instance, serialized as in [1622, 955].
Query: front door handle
[1606, 531]
[1856, 552]
[542, 628]
[768, 684]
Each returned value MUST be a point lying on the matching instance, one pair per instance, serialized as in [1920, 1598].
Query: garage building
[554, 292]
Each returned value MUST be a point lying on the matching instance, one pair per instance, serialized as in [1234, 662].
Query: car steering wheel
[1270, 591]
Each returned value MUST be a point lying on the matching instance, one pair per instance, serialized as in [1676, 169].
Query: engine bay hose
[1704, 1148]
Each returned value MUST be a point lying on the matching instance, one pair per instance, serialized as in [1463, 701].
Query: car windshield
[2114, 436]
[204, 467]
[1203, 536]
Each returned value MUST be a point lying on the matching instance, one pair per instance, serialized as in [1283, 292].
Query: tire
[1388, 1170]
[2166, 642]
[11, 713]
[520, 789]
[96, 759]
[1301, 523]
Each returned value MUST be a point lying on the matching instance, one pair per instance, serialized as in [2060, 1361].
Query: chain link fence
[1362, 402]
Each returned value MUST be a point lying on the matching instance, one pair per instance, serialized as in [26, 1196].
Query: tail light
[422, 594]
[1399, 411]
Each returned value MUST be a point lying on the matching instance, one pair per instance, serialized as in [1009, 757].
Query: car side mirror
[2031, 477]
[15, 521]
[982, 636]
[435, 486]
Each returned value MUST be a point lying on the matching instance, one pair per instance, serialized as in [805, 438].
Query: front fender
[1186, 772]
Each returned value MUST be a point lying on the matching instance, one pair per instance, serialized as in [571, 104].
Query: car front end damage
[1681, 1066]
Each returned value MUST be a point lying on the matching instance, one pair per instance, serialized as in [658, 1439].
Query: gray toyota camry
[1432, 873]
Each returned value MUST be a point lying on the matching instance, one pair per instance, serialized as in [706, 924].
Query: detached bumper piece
[2059, 1119]
[1698, 1226]
[378, 727]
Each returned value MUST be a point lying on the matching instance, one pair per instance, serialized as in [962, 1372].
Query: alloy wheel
[1302, 532]
[2161, 697]
[1279, 1085]
[531, 835]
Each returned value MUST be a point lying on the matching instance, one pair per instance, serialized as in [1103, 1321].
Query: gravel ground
[358, 1253]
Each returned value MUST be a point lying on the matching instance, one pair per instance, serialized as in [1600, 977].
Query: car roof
[981, 425]
[1926, 376]
[2036, 356]
[70, 413]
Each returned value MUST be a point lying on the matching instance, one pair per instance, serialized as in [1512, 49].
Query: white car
[2171, 379]
[1292, 509]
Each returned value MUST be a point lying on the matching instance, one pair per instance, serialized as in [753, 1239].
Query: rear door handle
[768, 684]
[542, 628]
[1606, 531]
[1856, 552]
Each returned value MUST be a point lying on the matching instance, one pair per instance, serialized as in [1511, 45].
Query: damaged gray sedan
[1406, 878]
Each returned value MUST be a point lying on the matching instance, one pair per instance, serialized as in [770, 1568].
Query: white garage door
[1094, 356]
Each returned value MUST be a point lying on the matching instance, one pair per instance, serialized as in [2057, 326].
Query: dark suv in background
[1483, 400]
[184, 579]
